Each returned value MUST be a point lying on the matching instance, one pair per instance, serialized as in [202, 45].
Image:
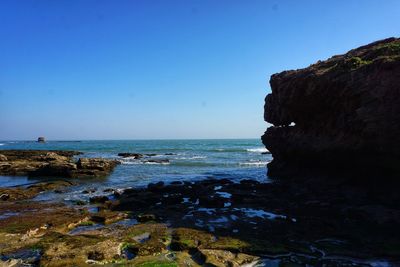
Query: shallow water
[188, 160]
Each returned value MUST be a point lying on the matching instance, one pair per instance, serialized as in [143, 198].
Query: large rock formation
[339, 114]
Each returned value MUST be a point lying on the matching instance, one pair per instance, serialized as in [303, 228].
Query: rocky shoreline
[206, 223]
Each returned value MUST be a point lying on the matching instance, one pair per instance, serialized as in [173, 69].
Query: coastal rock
[28, 192]
[3, 158]
[222, 258]
[57, 168]
[52, 156]
[4, 197]
[96, 164]
[52, 163]
[98, 199]
[339, 114]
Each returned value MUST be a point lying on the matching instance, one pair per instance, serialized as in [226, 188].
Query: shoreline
[207, 221]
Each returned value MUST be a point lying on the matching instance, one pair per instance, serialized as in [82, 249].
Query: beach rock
[337, 115]
[89, 191]
[222, 258]
[52, 156]
[25, 162]
[55, 168]
[96, 164]
[98, 199]
[3, 158]
[156, 186]
[146, 217]
[4, 197]
[53, 163]
[27, 192]
[129, 155]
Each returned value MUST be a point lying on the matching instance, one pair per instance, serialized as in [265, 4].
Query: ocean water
[188, 160]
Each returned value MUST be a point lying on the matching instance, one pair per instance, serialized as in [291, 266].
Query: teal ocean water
[188, 160]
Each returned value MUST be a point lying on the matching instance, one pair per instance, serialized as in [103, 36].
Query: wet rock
[109, 190]
[332, 116]
[23, 162]
[98, 219]
[79, 202]
[53, 163]
[59, 191]
[129, 252]
[98, 199]
[3, 158]
[52, 156]
[23, 257]
[89, 191]
[22, 192]
[56, 168]
[146, 218]
[222, 258]
[156, 186]
[211, 201]
[99, 164]
[130, 155]
[171, 199]
[4, 196]
[96, 256]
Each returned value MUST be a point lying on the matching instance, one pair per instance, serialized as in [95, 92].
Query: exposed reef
[208, 223]
[52, 163]
[341, 114]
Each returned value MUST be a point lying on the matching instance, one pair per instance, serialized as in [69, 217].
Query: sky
[76, 70]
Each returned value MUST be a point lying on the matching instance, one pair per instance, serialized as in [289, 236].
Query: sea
[188, 160]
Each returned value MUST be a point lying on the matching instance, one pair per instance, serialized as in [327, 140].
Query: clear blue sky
[164, 69]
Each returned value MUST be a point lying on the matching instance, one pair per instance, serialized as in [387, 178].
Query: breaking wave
[258, 150]
[254, 163]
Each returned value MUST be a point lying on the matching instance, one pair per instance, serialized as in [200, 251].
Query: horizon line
[122, 139]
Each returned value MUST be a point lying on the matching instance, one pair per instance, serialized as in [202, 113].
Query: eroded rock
[339, 114]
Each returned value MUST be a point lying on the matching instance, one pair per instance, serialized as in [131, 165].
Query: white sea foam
[194, 157]
[254, 163]
[1, 144]
[127, 162]
[257, 150]
[156, 163]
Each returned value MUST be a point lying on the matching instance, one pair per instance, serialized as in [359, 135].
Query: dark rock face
[52, 163]
[345, 111]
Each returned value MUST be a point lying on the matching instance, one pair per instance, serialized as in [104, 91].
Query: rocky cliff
[339, 114]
